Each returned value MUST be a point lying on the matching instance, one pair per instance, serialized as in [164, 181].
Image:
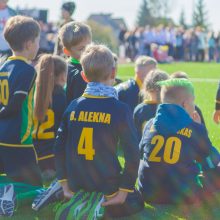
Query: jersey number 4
[85, 146]
[172, 147]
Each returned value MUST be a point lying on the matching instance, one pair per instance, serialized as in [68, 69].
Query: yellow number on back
[172, 149]
[41, 132]
[159, 141]
[85, 146]
[4, 91]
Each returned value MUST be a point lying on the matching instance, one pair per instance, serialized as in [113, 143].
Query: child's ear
[113, 74]
[66, 51]
[28, 44]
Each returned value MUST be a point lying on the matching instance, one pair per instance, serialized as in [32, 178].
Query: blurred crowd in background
[167, 44]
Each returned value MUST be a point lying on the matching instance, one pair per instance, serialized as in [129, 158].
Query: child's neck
[21, 54]
[74, 60]
[153, 97]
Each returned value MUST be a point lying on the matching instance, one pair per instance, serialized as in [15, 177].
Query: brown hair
[20, 29]
[179, 74]
[97, 62]
[49, 67]
[150, 82]
[143, 61]
[74, 33]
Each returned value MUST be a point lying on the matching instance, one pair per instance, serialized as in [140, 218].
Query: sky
[127, 9]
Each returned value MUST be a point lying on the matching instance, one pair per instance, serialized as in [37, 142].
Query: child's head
[179, 75]
[143, 65]
[23, 35]
[151, 89]
[98, 64]
[180, 92]
[67, 10]
[3, 4]
[51, 71]
[75, 36]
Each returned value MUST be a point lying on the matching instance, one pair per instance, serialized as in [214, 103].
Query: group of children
[78, 131]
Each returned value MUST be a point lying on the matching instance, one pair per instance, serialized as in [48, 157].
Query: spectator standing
[201, 45]
[5, 13]
[211, 44]
[67, 11]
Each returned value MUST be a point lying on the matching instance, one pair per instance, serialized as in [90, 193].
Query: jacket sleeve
[203, 145]
[60, 149]
[129, 143]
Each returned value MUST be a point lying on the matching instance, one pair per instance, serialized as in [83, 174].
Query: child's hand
[118, 199]
[67, 193]
[216, 116]
[196, 117]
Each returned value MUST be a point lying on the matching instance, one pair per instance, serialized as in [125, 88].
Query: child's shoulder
[17, 66]
[124, 86]
[74, 67]
[198, 128]
[109, 103]
[145, 106]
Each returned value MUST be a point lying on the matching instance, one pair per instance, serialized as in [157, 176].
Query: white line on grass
[192, 79]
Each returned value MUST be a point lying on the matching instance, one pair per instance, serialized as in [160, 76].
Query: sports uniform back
[170, 148]
[17, 79]
[90, 131]
[44, 133]
[143, 113]
[128, 92]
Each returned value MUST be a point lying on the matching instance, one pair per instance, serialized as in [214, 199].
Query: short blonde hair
[74, 33]
[97, 62]
[143, 61]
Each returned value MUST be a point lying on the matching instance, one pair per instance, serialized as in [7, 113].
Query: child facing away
[17, 79]
[86, 144]
[128, 92]
[151, 94]
[171, 144]
[50, 104]
[198, 116]
[75, 36]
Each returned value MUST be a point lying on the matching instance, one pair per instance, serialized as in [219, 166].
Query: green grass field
[205, 79]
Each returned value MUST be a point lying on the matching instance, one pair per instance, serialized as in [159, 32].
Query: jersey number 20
[85, 146]
[172, 147]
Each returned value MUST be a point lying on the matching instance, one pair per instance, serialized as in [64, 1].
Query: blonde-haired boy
[128, 91]
[75, 36]
[170, 145]
[87, 140]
